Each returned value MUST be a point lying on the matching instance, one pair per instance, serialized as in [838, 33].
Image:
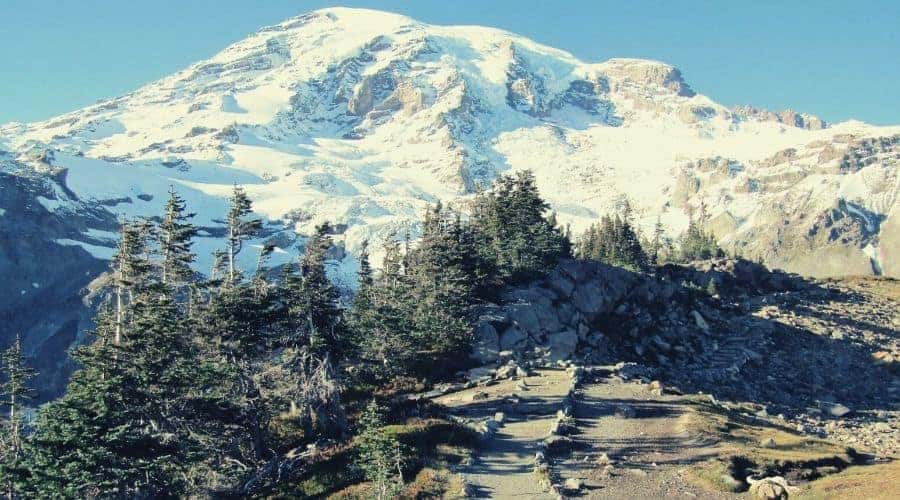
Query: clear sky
[835, 59]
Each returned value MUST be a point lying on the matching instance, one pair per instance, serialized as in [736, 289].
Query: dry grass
[739, 439]
[880, 481]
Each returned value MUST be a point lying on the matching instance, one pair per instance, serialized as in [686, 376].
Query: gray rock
[479, 373]
[556, 445]
[478, 396]
[836, 410]
[522, 315]
[590, 299]
[699, 321]
[573, 484]
[562, 345]
[487, 343]
[513, 338]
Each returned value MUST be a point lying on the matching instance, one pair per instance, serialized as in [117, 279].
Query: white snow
[104, 253]
[304, 158]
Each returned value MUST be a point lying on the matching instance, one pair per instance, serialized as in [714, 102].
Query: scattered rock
[573, 484]
[478, 396]
[558, 444]
[500, 417]
[769, 488]
[767, 442]
[699, 321]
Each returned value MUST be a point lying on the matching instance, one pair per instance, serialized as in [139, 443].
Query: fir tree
[240, 228]
[175, 235]
[514, 233]
[318, 297]
[130, 270]
[16, 392]
[614, 242]
[697, 244]
[380, 456]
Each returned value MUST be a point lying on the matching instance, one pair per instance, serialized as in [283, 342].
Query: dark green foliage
[614, 242]
[175, 243]
[240, 228]
[204, 388]
[412, 318]
[380, 456]
[697, 243]
[109, 435]
[312, 300]
[16, 392]
[513, 232]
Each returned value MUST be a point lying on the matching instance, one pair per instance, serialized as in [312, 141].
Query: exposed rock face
[46, 275]
[587, 309]
[788, 117]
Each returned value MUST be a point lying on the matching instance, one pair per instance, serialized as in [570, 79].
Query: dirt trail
[505, 461]
[642, 434]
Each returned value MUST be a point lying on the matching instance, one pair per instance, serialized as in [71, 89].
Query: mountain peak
[363, 117]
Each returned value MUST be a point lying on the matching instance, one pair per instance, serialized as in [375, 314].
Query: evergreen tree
[103, 437]
[16, 392]
[130, 270]
[240, 228]
[175, 235]
[317, 303]
[380, 455]
[381, 319]
[614, 242]
[697, 244]
[514, 234]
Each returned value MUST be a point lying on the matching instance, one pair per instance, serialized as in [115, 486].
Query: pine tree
[175, 235]
[102, 437]
[381, 319]
[318, 296]
[697, 243]
[614, 242]
[514, 234]
[16, 392]
[380, 455]
[240, 228]
[130, 270]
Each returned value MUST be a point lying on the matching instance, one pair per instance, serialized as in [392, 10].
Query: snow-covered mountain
[362, 118]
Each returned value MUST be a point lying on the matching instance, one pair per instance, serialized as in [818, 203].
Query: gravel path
[505, 461]
[642, 435]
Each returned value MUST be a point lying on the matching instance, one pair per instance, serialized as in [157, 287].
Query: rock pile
[592, 311]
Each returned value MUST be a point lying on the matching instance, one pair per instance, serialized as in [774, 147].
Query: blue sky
[835, 59]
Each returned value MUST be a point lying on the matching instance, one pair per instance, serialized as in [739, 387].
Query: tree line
[196, 385]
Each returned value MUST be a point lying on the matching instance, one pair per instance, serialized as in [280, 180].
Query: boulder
[557, 445]
[513, 338]
[769, 488]
[562, 345]
[624, 411]
[486, 347]
[590, 300]
[479, 373]
[561, 283]
[699, 321]
[836, 410]
[522, 315]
